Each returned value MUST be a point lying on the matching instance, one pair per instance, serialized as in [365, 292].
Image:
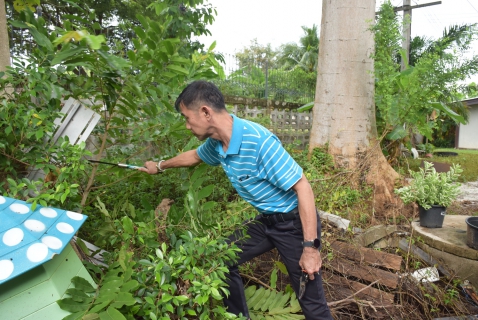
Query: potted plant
[433, 192]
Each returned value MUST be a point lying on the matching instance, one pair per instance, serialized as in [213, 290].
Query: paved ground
[469, 192]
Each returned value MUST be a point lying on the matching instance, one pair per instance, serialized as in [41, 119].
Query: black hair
[199, 93]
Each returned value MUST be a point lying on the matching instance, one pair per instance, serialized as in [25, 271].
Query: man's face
[196, 122]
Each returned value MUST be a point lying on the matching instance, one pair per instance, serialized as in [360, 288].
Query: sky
[278, 22]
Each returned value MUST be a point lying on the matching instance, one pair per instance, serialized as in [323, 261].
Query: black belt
[273, 218]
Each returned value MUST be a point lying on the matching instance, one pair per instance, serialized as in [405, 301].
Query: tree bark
[344, 108]
[4, 43]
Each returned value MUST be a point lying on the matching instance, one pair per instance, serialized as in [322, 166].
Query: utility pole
[407, 26]
[4, 43]
[406, 32]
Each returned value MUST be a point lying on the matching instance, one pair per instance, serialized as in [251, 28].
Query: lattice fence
[281, 118]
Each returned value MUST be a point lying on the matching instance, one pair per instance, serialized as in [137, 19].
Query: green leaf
[18, 24]
[91, 316]
[212, 46]
[169, 47]
[280, 301]
[249, 292]
[159, 253]
[99, 307]
[81, 244]
[255, 298]
[111, 314]
[281, 267]
[178, 69]
[306, 107]
[215, 294]
[122, 299]
[128, 225]
[397, 133]
[270, 301]
[208, 205]
[205, 192]
[294, 304]
[65, 54]
[129, 286]
[112, 285]
[95, 41]
[262, 299]
[449, 112]
[41, 39]
[139, 32]
[21, 5]
[77, 295]
[150, 43]
[274, 278]
[70, 305]
[82, 284]
[143, 21]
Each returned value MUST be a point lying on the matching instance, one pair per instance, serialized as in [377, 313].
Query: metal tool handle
[128, 166]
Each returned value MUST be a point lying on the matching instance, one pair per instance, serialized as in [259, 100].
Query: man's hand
[186, 159]
[310, 261]
[149, 167]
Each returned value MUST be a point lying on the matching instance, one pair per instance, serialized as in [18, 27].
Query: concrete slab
[373, 234]
[451, 238]
[448, 246]
[463, 268]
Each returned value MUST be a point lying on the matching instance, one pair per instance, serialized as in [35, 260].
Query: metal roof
[30, 238]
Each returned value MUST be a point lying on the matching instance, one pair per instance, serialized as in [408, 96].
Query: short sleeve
[207, 152]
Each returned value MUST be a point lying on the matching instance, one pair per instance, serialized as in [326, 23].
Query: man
[266, 176]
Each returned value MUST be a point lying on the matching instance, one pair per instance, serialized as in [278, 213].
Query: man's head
[201, 93]
[202, 104]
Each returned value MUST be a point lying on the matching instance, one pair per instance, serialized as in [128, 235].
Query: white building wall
[468, 136]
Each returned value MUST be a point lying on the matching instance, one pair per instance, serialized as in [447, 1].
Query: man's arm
[186, 159]
[310, 261]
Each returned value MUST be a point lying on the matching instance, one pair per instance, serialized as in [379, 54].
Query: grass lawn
[467, 159]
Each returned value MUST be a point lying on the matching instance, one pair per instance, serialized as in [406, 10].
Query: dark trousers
[287, 237]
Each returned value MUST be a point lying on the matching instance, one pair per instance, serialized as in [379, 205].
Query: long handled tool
[121, 165]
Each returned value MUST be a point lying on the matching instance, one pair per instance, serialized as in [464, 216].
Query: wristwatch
[312, 243]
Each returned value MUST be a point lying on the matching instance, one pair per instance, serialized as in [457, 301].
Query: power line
[471, 5]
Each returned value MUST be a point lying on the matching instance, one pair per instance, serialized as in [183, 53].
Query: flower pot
[472, 232]
[433, 217]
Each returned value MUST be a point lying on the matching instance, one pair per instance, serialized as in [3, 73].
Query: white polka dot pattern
[74, 216]
[6, 269]
[19, 208]
[65, 227]
[35, 225]
[30, 238]
[48, 212]
[37, 252]
[13, 237]
[52, 242]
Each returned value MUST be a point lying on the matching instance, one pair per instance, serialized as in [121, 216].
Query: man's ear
[206, 111]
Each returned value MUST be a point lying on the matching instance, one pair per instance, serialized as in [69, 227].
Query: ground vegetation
[164, 234]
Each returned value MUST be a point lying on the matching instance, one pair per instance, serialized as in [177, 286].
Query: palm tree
[303, 55]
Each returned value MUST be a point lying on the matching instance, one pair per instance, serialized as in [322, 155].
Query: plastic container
[433, 217]
[472, 232]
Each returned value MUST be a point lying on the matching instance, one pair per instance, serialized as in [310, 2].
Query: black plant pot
[433, 217]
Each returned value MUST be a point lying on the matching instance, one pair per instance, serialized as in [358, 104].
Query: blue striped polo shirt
[257, 165]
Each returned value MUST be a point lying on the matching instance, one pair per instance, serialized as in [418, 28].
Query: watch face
[316, 243]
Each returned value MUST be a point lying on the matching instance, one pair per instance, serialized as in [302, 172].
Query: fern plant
[270, 304]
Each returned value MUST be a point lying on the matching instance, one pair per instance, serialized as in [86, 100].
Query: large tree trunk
[4, 44]
[344, 109]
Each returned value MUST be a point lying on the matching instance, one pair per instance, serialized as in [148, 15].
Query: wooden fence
[282, 118]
